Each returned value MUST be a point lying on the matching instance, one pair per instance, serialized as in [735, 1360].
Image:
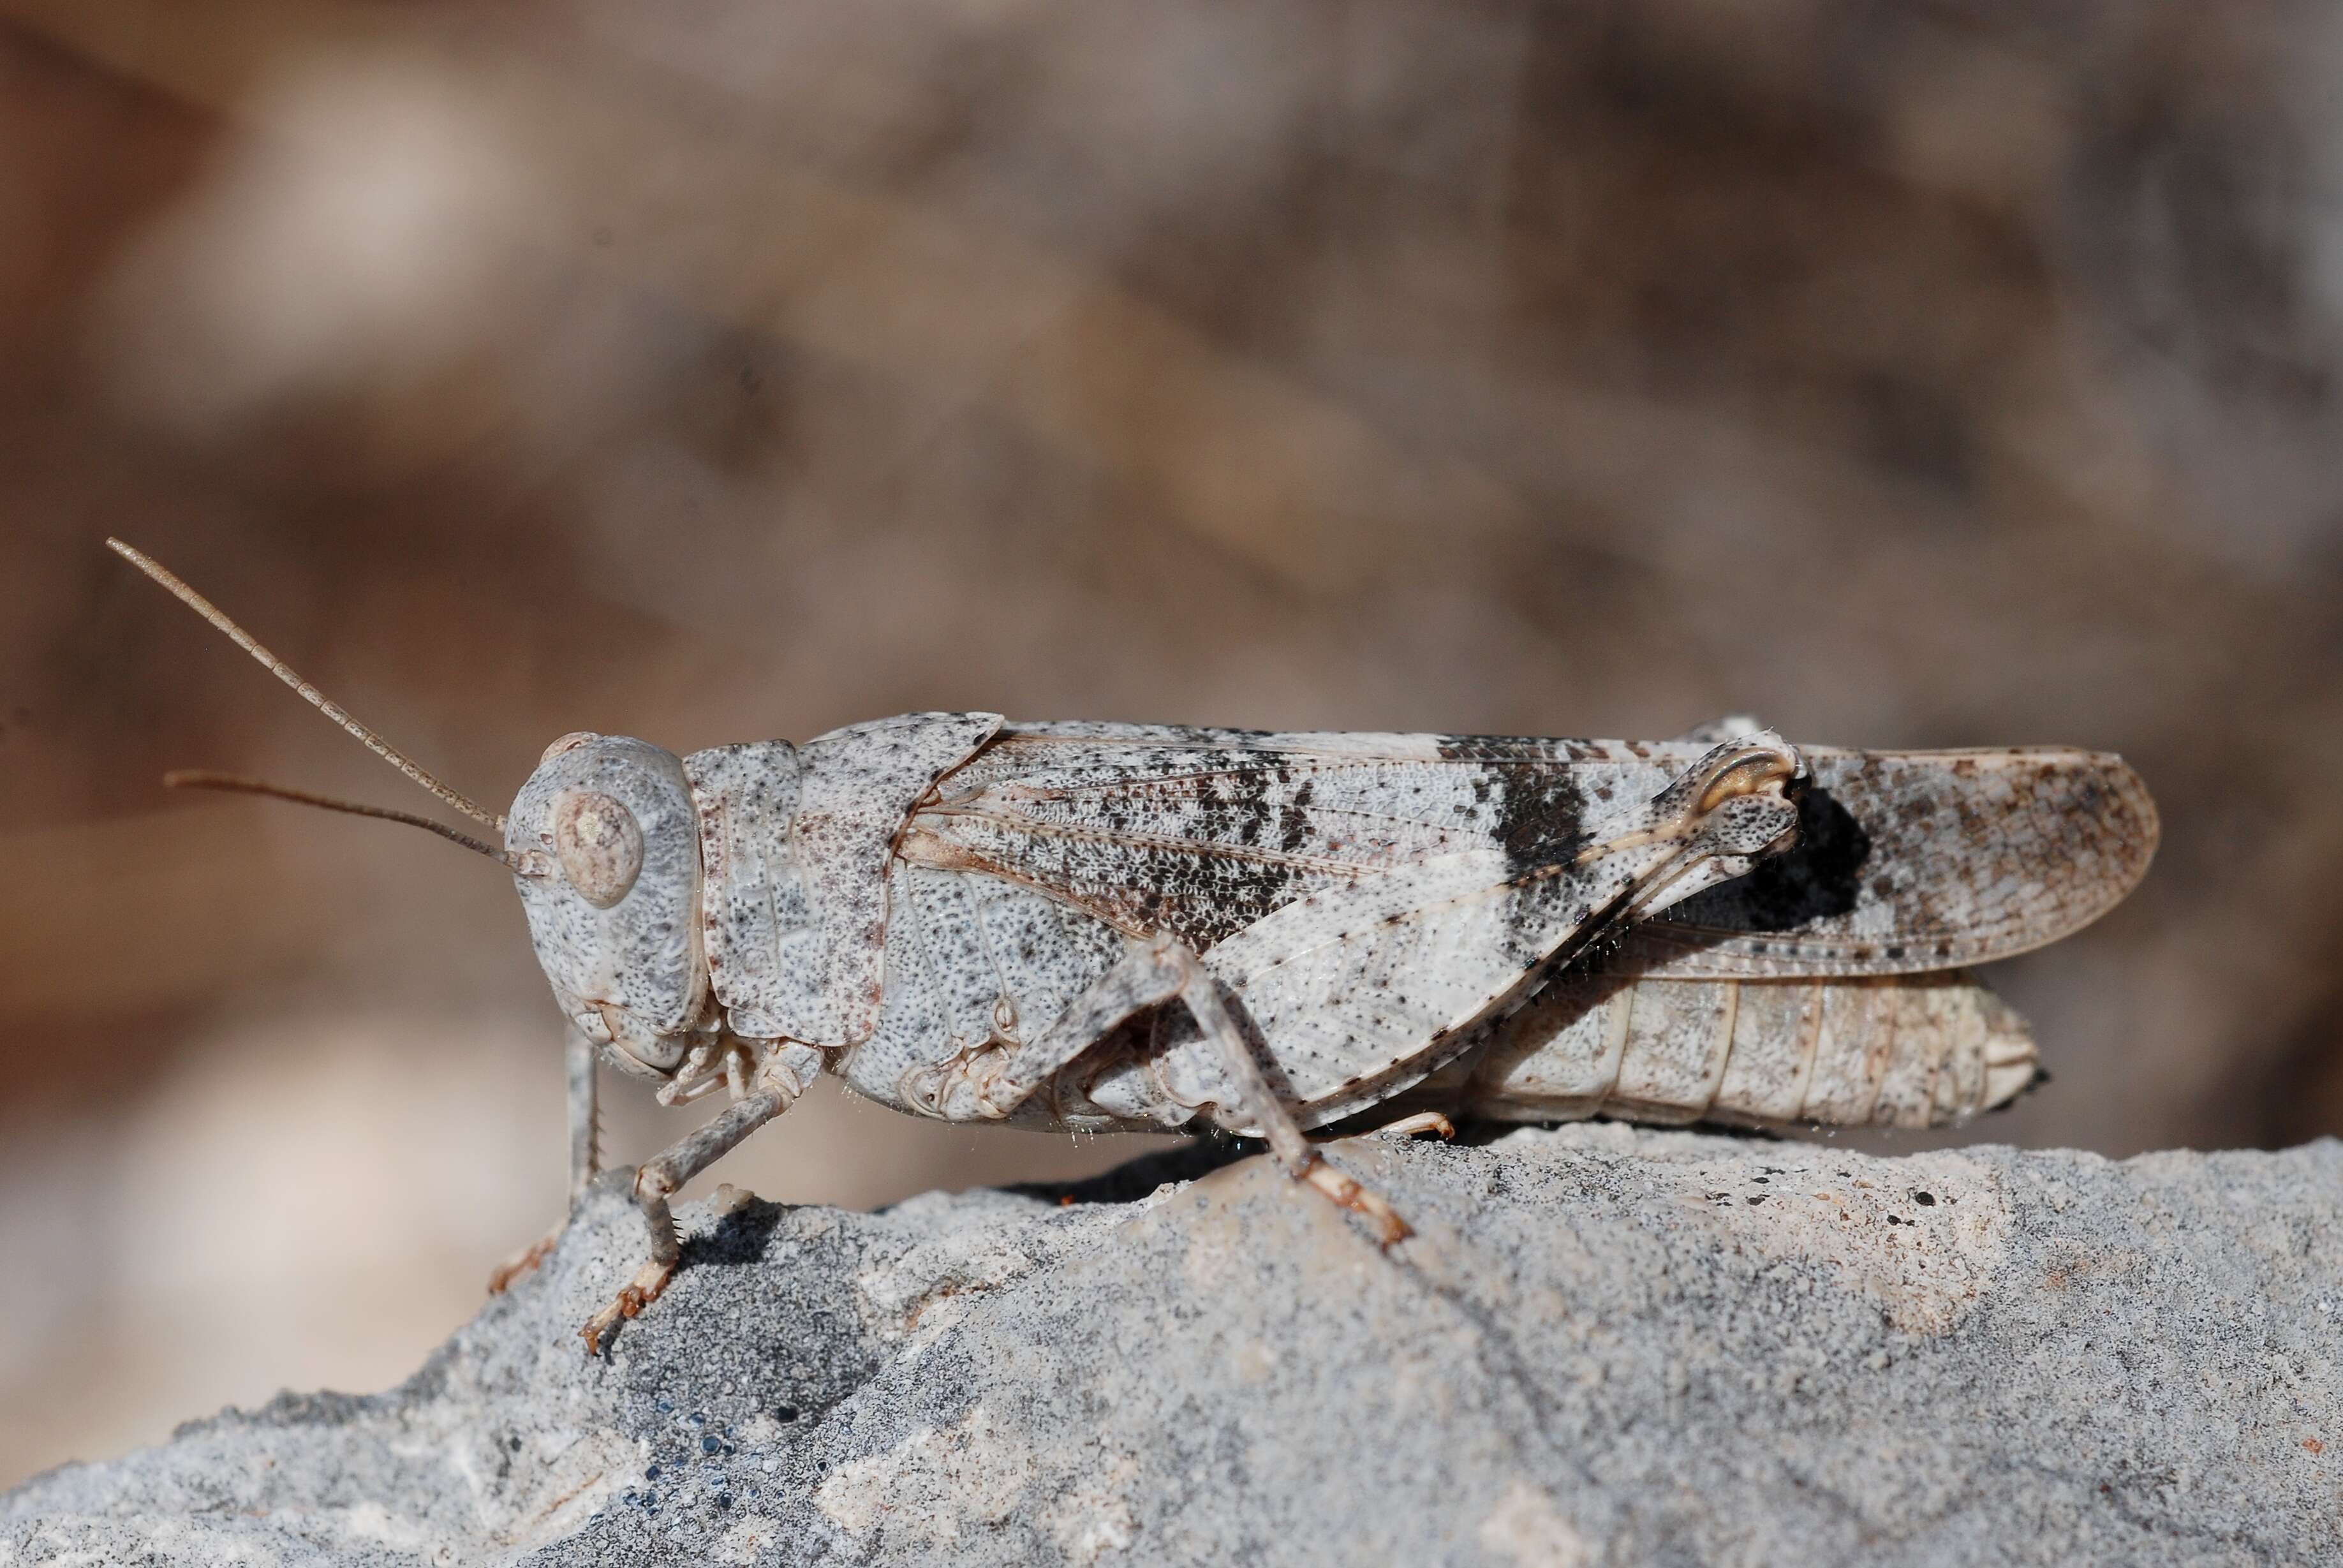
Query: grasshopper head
[605, 841]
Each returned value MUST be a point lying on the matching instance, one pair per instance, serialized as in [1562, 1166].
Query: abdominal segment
[1897, 1050]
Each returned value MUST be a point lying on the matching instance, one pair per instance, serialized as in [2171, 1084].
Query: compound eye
[599, 844]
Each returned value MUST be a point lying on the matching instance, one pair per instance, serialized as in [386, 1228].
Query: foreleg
[585, 1157]
[658, 1180]
[585, 1117]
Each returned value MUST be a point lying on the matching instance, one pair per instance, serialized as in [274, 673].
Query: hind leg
[1151, 973]
[1259, 1104]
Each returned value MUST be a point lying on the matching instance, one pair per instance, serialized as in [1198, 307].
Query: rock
[1606, 1346]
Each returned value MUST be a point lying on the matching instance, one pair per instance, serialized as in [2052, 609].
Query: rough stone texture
[1606, 1346]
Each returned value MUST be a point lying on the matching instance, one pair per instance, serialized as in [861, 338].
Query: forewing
[1909, 861]
[1203, 833]
[1919, 860]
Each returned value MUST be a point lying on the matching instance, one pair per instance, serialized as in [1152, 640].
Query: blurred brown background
[1912, 374]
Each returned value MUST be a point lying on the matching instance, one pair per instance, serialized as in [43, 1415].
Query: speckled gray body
[797, 846]
[1606, 1347]
[919, 898]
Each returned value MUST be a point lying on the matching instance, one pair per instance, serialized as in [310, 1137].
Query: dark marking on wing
[1541, 813]
[1202, 834]
[1201, 852]
[1293, 820]
[1537, 809]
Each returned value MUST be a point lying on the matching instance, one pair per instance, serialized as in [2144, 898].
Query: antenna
[309, 694]
[236, 783]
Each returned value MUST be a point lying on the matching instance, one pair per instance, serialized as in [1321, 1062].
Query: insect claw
[1360, 1200]
[637, 1293]
[528, 1258]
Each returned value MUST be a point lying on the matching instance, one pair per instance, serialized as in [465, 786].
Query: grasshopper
[1103, 927]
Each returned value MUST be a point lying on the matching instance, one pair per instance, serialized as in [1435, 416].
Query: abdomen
[1901, 1050]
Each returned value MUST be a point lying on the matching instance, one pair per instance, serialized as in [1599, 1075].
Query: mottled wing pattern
[1908, 861]
[1916, 860]
[1204, 832]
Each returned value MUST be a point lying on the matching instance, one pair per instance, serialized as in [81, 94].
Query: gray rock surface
[1607, 1346]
